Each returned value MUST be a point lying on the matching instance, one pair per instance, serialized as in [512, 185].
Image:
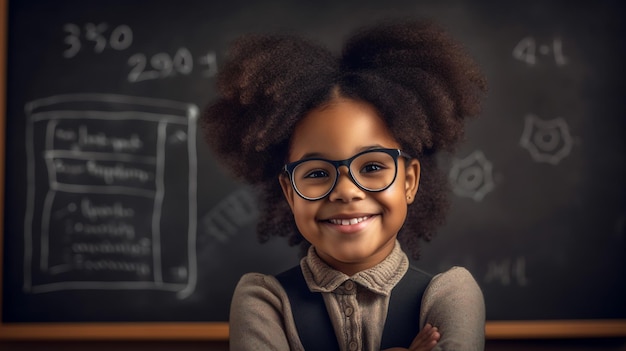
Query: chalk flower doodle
[547, 140]
[472, 176]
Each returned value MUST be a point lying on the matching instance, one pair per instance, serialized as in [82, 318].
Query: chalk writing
[97, 221]
[142, 248]
[110, 229]
[120, 38]
[526, 51]
[163, 65]
[117, 172]
[547, 141]
[101, 140]
[143, 67]
[508, 271]
[94, 212]
[139, 268]
[210, 61]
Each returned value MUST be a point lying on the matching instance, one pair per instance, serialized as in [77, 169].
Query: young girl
[343, 152]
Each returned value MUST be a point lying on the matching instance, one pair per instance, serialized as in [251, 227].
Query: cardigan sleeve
[256, 316]
[454, 303]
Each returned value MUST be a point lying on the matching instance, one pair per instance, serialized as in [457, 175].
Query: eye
[319, 173]
[372, 167]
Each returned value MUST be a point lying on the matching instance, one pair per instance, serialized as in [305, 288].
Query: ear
[411, 180]
[285, 184]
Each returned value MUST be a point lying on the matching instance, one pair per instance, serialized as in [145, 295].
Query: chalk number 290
[160, 65]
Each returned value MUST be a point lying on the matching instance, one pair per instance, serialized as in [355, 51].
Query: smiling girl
[343, 152]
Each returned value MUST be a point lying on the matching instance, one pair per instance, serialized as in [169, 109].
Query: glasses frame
[394, 153]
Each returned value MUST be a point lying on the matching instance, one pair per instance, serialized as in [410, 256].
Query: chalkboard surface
[114, 209]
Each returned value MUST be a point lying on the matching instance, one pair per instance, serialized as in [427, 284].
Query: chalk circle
[547, 139]
[470, 178]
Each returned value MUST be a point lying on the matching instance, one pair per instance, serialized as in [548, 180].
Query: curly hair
[421, 81]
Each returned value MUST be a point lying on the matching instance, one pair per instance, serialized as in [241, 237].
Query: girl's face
[338, 131]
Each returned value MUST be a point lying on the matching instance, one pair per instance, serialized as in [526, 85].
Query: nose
[345, 189]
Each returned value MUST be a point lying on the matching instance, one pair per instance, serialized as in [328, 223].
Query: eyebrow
[320, 155]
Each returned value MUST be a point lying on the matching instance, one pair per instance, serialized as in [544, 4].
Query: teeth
[350, 221]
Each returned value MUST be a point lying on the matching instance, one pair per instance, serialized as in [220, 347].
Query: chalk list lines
[177, 138]
[98, 183]
[159, 185]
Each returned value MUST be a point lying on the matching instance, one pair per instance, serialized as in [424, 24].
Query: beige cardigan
[261, 319]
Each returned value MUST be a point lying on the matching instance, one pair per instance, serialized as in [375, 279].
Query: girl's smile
[352, 229]
[348, 224]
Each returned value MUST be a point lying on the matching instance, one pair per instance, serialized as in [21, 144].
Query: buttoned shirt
[261, 318]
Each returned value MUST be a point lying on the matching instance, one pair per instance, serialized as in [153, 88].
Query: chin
[354, 256]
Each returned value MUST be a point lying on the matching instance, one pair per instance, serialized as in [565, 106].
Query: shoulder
[454, 286]
[454, 303]
[260, 315]
[453, 277]
[256, 287]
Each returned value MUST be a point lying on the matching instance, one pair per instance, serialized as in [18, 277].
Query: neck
[352, 268]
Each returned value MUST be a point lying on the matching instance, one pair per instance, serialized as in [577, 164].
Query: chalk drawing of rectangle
[47, 142]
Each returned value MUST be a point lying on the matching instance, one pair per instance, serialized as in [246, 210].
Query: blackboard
[115, 211]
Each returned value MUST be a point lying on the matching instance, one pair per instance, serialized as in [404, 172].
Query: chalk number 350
[120, 38]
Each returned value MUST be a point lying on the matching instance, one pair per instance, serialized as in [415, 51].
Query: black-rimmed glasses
[372, 170]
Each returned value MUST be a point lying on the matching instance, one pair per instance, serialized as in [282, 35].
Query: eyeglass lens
[373, 171]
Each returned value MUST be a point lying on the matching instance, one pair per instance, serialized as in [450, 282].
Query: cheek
[304, 211]
[394, 199]
[397, 190]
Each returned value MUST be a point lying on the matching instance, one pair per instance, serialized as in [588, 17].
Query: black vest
[315, 328]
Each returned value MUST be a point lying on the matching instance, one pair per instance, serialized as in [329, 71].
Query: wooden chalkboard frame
[217, 331]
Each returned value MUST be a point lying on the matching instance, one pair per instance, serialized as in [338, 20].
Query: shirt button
[353, 346]
[349, 311]
[349, 285]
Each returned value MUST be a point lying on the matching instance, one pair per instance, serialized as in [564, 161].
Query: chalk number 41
[527, 50]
